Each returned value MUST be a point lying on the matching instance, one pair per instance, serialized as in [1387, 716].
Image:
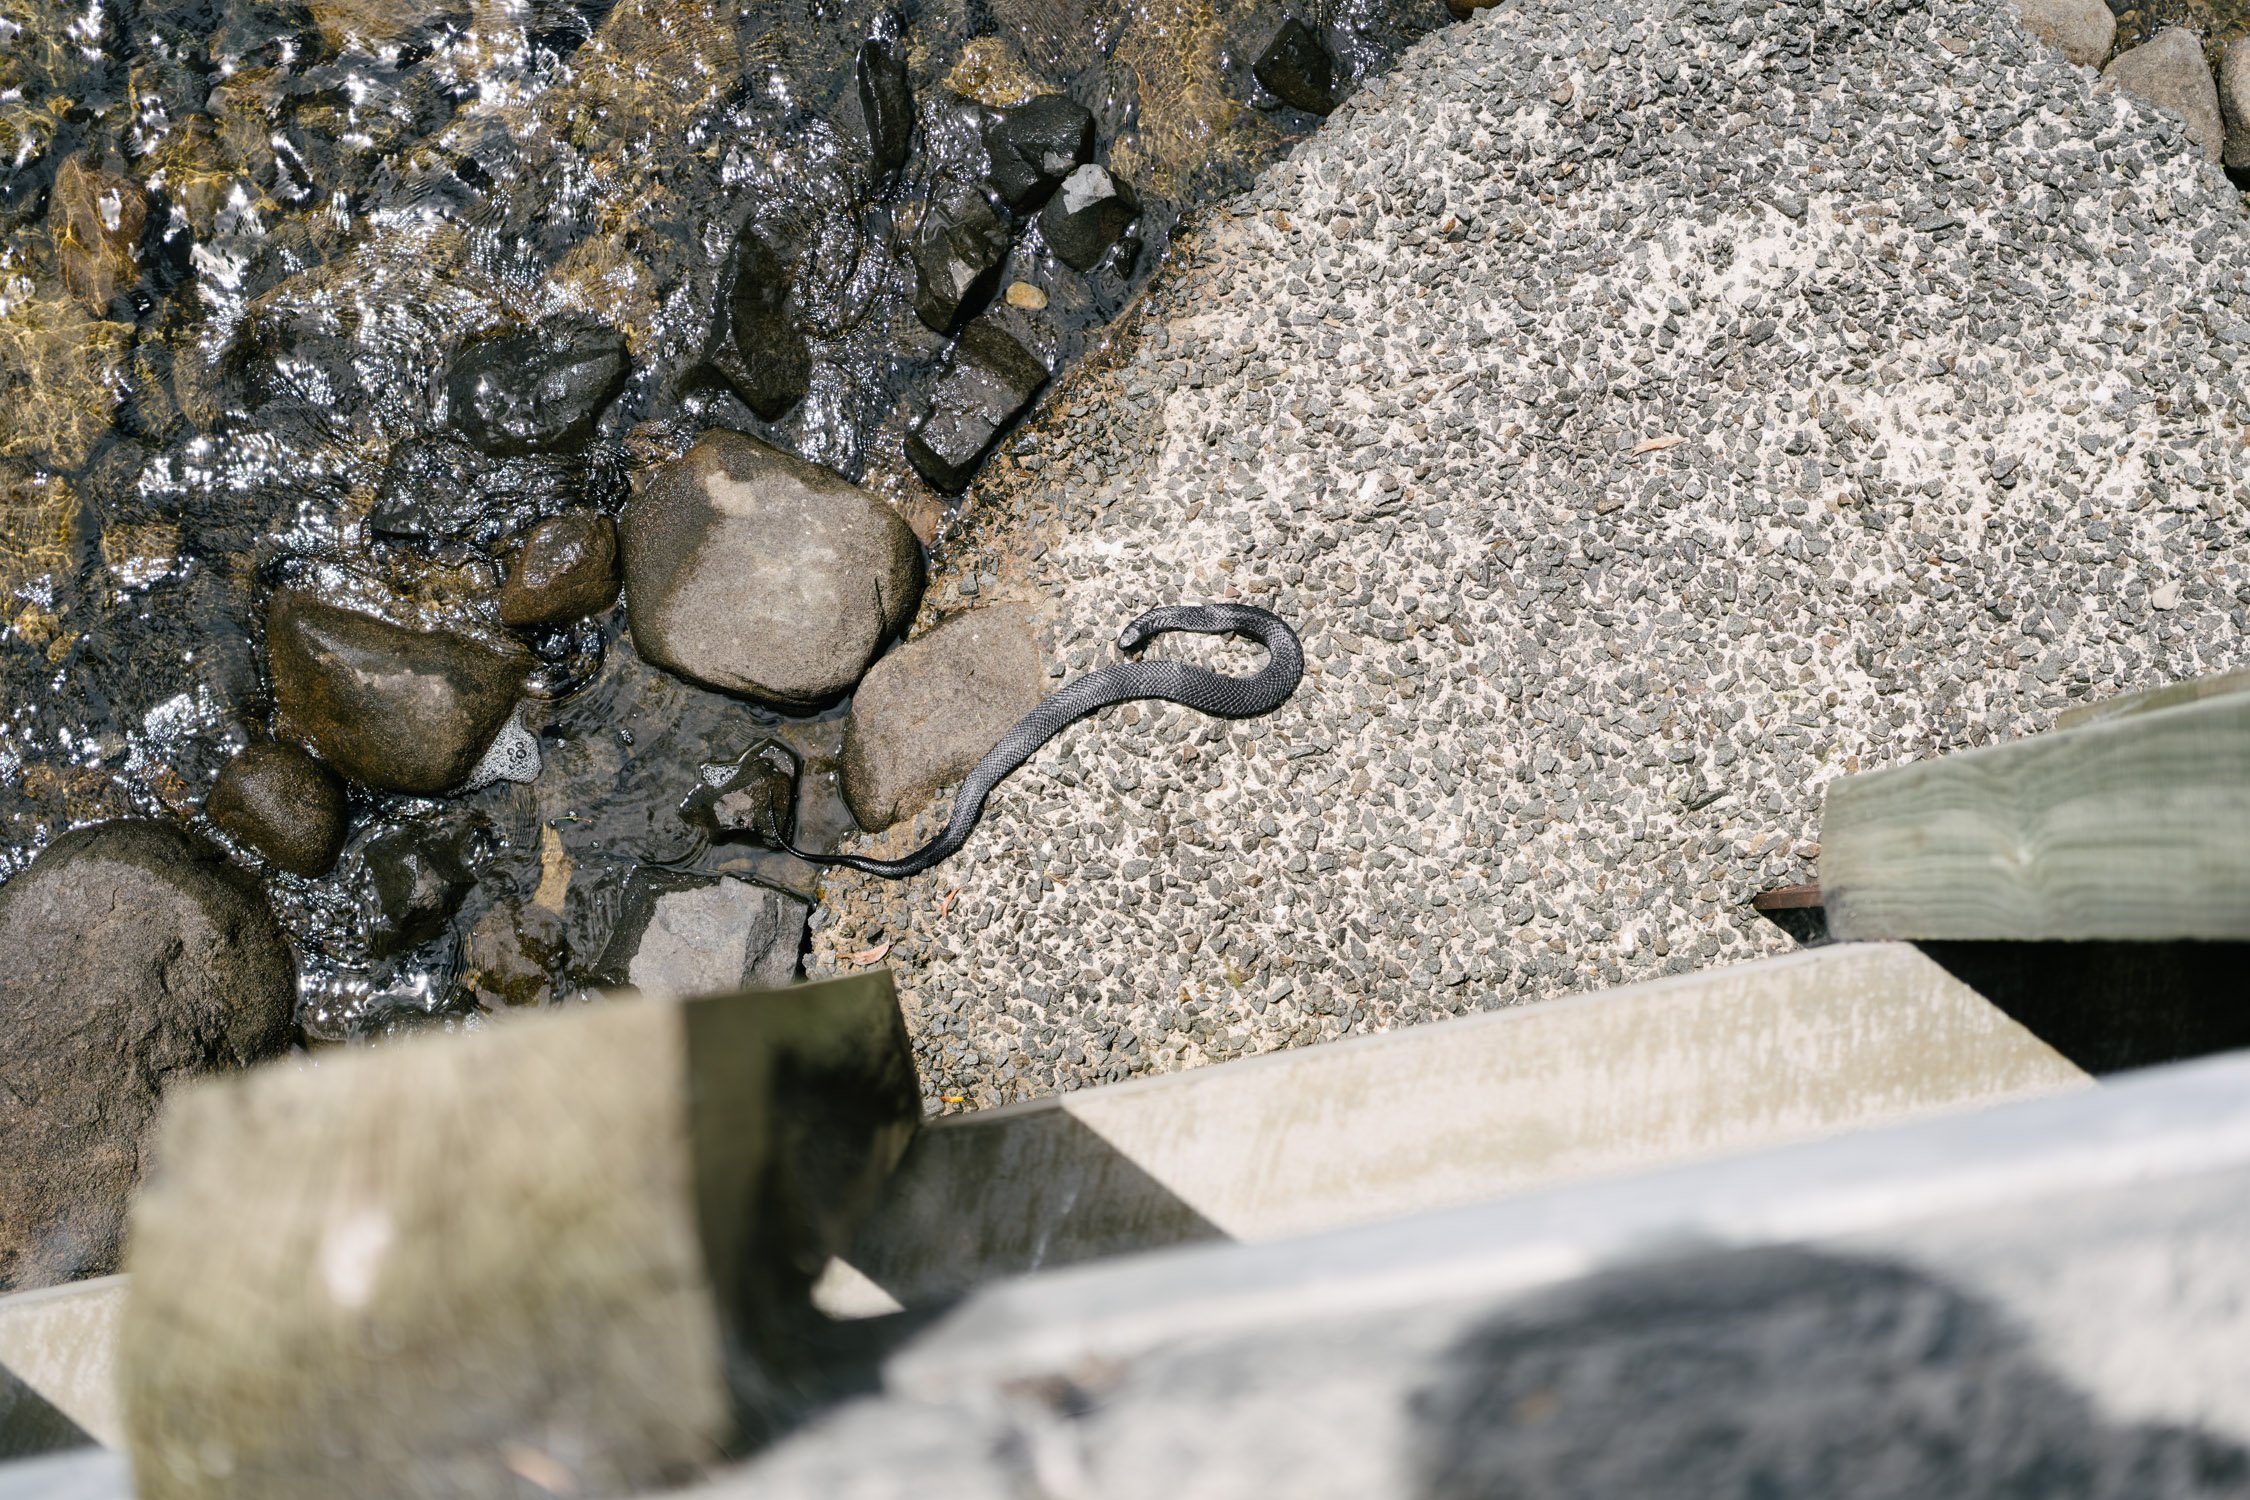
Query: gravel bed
[1645, 420]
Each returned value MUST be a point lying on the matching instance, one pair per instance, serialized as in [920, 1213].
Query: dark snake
[1198, 688]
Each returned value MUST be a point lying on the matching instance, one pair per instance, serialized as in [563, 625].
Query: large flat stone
[1354, 1131]
[751, 571]
[576, 1247]
[930, 710]
[133, 956]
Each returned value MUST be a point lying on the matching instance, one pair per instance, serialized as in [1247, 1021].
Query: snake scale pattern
[1196, 687]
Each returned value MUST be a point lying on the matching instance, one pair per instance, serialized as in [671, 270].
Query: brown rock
[2234, 100]
[285, 805]
[930, 710]
[566, 571]
[396, 709]
[2169, 72]
[132, 954]
[2081, 30]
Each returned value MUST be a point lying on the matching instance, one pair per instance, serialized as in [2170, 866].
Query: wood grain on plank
[2132, 828]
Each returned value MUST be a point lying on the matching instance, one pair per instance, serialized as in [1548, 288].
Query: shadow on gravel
[1783, 1375]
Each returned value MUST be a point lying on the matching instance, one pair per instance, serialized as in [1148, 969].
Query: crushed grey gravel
[1645, 419]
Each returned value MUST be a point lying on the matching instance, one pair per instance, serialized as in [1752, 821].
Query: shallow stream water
[241, 242]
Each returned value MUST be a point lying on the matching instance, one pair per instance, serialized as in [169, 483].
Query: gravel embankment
[1645, 420]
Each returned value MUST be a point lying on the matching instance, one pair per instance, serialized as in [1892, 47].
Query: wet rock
[1087, 215]
[714, 939]
[2169, 71]
[987, 383]
[1035, 146]
[2081, 30]
[2234, 100]
[886, 103]
[536, 391]
[418, 875]
[95, 217]
[283, 804]
[504, 963]
[755, 342]
[131, 955]
[437, 489]
[566, 571]
[930, 710]
[753, 796]
[391, 708]
[959, 248]
[1296, 68]
[749, 570]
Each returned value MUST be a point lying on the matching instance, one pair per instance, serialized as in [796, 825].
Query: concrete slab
[1665, 1071]
[81, 1474]
[57, 1348]
[1966, 1305]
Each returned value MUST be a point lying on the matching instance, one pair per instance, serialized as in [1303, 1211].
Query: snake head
[1131, 638]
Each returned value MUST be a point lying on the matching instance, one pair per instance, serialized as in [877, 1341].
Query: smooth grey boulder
[2083, 31]
[396, 709]
[2169, 71]
[132, 954]
[2234, 101]
[719, 938]
[931, 709]
[751, 571]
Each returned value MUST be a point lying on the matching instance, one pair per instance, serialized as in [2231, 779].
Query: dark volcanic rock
[753, 796]
[285, 805]
[749, 570]
[1296, 68]
[1035, 146]
[396, 709]
[566, 570]
[989, 381]
[418, 877]
[131, 954]
[886, 102]
[755, 341]
[530, 392]
[1087, 215]
[929, 711]
[437, 489]
[959, 248]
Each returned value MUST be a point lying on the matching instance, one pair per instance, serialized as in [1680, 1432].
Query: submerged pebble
[284, 805]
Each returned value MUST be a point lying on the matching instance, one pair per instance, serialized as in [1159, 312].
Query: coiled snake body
[1198, 688]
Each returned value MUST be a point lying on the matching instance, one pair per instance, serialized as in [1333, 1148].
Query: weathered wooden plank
[557, 1254]
[2133, 828]
[2170, 695]
[1664, 1071]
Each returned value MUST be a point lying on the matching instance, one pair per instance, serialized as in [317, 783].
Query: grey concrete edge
[2172, 1122]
